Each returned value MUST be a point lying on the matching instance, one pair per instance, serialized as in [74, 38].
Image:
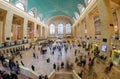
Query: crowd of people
[80, 61]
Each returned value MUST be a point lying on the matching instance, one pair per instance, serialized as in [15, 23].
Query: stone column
[64, 30]
[78, 30]
[118, 17]
[75, 31]
[41, 32]
[35, 31]
[56, 30]
[90, 26]
[107, 27]
[14, 32]
[8, 25]
[25, 25]
[82, 27]
[1, 31]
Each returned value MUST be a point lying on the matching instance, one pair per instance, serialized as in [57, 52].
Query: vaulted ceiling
[50, 8]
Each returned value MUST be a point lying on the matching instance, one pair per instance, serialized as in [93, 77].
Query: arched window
[74, 19]
[32, 12]
[52, 29]
[20, 6]
[88, 1]
[60, 28]
[81, 8]
[7, 0]
[68, 28]
[39, 17]
[76, 15]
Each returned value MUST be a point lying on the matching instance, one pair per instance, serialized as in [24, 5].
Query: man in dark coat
[13, 75]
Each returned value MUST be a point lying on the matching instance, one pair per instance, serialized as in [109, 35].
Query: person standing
[110, 66]
[62, 65]
[1, 76]
[46, 77]
[13, 75]
[22, 63]
[33, 67]
[34, 55]
[54, 66]
[40, 77]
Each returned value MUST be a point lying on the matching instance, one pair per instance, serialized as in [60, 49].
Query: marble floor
[42, 67]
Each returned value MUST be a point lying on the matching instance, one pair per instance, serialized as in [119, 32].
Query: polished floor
[43, 68]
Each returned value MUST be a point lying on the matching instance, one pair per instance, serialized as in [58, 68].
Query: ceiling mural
[50, 8]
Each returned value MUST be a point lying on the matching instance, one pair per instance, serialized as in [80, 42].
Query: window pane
[20, 6]
[89, 1]
[60, 28]
[7, 0]
[52, 29]
[31, 13]
[68, 28]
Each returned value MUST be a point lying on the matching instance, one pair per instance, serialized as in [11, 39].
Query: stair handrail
[52, 75]
[75, 75]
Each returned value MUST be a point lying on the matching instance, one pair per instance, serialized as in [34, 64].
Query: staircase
[23, 77]
[63, 75]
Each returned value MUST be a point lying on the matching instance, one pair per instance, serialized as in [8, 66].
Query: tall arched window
[68, 28]
[81, 8]
[7, 0]
[39, 17]
[32, 12]
[20, 6]
[52, 29]
[76, 15]
[88, 1]
[60, 28]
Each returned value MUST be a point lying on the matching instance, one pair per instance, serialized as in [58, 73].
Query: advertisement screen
[104, 48]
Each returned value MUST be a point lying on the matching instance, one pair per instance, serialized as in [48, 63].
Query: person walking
[33, 67]
[46, 77]
[54, 66]
[13, 75]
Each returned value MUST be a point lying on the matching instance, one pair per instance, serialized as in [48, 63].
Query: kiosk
[115, 54]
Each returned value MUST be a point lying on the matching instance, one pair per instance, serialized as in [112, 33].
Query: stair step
[63, 76]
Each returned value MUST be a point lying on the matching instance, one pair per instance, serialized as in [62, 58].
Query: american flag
[31, 31]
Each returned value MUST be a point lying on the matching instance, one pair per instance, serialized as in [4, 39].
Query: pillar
[64, 30]
[82, 27]
[41, 31]
[8, 25]
[25, 25]
[14, 32]
[118, 17]
[1, 31]
[107, 27]
[35, 30]
[56, 30]
[90, 25]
